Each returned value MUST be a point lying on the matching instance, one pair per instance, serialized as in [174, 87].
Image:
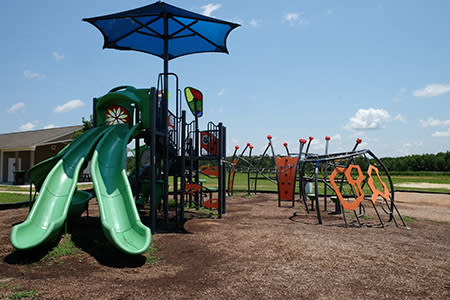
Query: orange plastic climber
[375, 192]
[209, 171]
[286, 170]
[231, 175]
[355, 183]
[211, 203]
[191, 188]
[209, 143]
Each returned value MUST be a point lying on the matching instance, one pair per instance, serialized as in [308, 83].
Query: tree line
[439, 162]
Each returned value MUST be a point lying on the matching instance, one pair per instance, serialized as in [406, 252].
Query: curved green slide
[48, 214]
[120, 218]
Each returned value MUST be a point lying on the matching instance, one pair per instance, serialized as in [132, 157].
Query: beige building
[22, 150]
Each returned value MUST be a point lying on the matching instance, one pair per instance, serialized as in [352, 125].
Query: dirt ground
[256, 251]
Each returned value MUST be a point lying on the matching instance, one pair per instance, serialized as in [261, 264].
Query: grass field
[240, 185]
[240, 182]
[14, 194]
[13, 198]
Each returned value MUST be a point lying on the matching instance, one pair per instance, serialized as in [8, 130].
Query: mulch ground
[256, 251]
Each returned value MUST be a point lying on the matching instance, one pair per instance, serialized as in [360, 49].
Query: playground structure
[122, 115]
[172, 146]
[336, 178]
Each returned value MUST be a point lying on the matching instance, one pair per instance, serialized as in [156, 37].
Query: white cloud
[368, 119]
[209, 8]
[50, 126]
[19, 106]
[336, 137]
[432, 90]
[431, 122]
[58, 56]
[71, 105]
[400, 118]
[221, 92]
[255, 23]
[28, 126]
[30, 75]
[294, 18]
[441, 133]
[407, 148]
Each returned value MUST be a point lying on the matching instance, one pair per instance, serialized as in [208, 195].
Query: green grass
[240, 182]
[14, 188]
[66, 247]
[13, 198]
[17, 292]
[24, 294]
[150, 255]
[16, 197]
[420, 173]
[408, 219]
[431, 221]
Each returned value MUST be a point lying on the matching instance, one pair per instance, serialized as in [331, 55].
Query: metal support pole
[269, 137]
[153, 108]
[183, 164]
[316, 189]
[137, 154]
[378, 214]
[165, 114]
[302, 182]
[357, 218]
[94, 112]
[248, 169]
[221, 180]
[325, 175]
[197, 195]
[285, 144]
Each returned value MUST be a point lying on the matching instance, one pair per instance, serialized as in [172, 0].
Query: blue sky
[378, 70]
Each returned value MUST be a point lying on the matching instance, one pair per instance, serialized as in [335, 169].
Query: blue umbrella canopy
[163, 30]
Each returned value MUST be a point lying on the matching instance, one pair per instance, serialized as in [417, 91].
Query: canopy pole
[165, 107]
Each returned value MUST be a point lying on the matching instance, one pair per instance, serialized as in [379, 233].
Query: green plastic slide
[48, 214]
[120, 218]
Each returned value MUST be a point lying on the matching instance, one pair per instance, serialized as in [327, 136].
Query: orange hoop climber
[355, 183]
[375, 192]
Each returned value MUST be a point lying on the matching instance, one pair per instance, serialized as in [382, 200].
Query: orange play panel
[375, 192]
[209, 171]
[286, 169]
[211, 203]
[355, 183]
[231, 175]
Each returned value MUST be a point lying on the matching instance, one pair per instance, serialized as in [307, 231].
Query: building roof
[28, 140]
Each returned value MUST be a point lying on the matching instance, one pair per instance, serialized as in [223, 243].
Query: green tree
[87, 124]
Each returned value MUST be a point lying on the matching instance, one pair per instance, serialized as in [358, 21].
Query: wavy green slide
[48, 214]
[120, 218]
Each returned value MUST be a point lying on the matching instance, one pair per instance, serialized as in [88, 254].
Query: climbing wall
[286, 169]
